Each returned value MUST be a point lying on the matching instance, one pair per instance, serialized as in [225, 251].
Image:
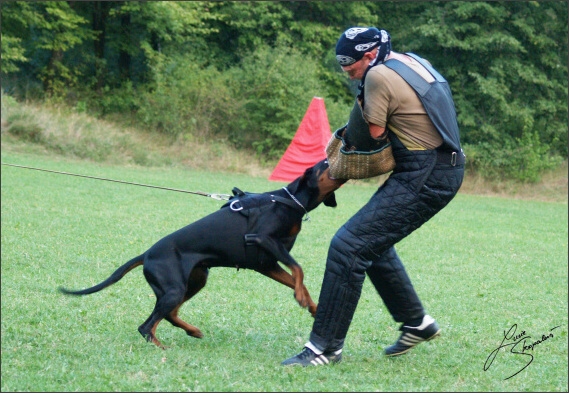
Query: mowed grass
[481, 266]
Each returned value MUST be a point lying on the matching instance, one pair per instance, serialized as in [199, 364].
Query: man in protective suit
[403, 100]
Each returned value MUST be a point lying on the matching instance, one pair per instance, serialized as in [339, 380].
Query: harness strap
[251, 205]
[252, 239]
[287, 201]
[251, 247]
[237, 205]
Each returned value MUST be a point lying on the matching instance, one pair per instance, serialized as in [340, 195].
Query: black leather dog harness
[252, 205]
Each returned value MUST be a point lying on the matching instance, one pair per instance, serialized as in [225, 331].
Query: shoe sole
[311, 364]
[437, 334]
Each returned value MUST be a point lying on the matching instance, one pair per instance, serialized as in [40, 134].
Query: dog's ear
[293, 187]
[330, 200]
[306, 178]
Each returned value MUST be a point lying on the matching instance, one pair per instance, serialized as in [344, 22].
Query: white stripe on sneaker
[320, 360]
[410, 339]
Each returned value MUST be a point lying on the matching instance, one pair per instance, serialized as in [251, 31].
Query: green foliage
[25, 130]
[59, 29]
[18, 122]
[249, 25]
[171, 22]
[123, 100]
[255, 104]
[274, 86]
[12, 54]
[187, 101]
[161, 28]
[16, 18]
[204, 69]
[523, 159]
[506, 63]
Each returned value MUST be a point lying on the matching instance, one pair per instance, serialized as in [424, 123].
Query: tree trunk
[100, 14]
[124, 55]
[55, 59]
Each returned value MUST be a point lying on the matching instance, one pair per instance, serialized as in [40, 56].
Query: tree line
[245, 71]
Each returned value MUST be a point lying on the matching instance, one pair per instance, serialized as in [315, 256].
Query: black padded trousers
[418, 188]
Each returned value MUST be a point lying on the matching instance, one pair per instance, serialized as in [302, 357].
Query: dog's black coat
[251, 231]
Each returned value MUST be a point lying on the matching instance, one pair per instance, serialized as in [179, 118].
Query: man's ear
[330, 200]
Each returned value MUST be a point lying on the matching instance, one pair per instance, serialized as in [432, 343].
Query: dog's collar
[306, 217]
[237, 204]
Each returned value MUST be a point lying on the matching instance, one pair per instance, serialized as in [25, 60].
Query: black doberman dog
[251, 231]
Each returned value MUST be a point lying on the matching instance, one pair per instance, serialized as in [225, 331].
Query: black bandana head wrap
[356, 41]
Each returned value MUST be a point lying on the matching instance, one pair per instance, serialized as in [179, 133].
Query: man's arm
[377, 132]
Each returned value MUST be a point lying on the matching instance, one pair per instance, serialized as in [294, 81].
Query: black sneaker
[308, 358]
[412, 336]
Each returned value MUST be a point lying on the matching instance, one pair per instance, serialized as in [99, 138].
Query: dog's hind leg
[165, 304]
[277, 273]
[148, 331]
[197, 280]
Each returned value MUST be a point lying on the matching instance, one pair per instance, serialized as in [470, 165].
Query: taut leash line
[219, 197]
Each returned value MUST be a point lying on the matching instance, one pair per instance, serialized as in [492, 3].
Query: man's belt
[452, 158]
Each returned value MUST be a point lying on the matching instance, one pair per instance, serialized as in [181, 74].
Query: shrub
[257, 104]
[186, 100]
[18, 122]
[275, 87]
[523, 159]
[27, 131]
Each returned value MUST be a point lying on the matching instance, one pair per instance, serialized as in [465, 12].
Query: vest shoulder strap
[429, 67]
[420, 85]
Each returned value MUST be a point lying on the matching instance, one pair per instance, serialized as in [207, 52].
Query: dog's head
[315, 186]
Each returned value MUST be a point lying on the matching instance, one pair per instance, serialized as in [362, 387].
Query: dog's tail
[116, 276]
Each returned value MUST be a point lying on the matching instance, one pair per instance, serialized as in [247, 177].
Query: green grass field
[482, 266]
